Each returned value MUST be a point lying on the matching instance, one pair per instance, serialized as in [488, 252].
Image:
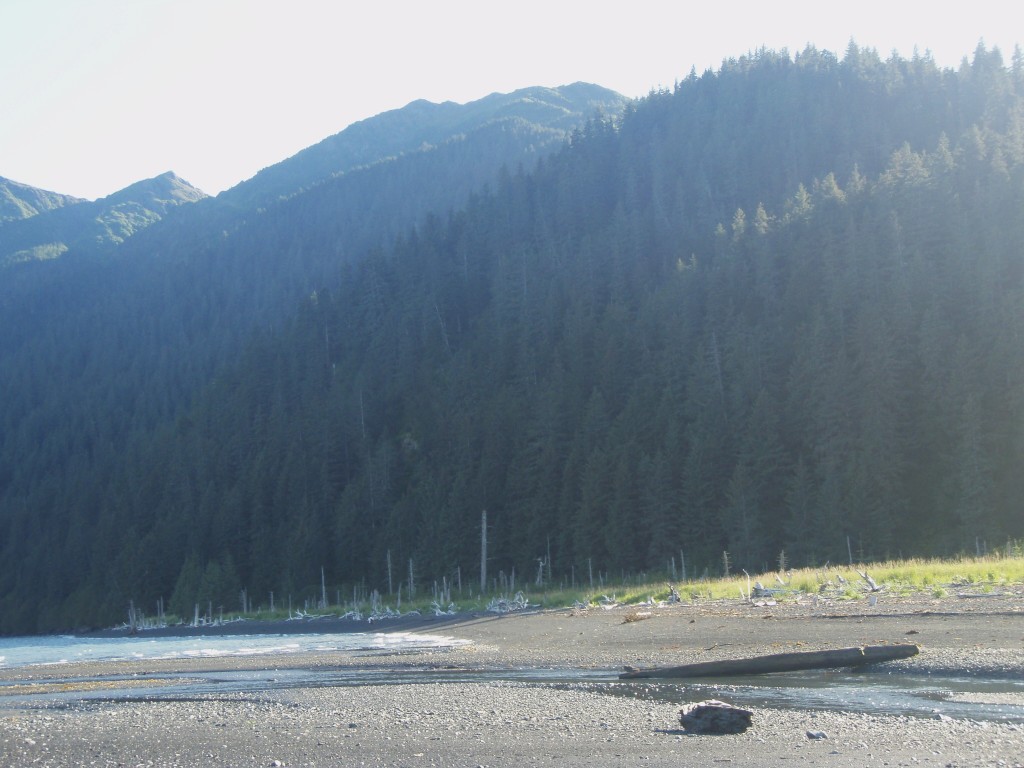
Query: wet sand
[504, 723]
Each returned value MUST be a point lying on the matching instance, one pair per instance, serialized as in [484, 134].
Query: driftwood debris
[872, 586]
[714, 716]
[782, 662]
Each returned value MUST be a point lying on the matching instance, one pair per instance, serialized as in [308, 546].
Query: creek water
[986, 699]
[974, 698]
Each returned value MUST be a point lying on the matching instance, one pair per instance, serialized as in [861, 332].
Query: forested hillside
[103, 345]
[21, 201]
[549, 113]
[92, 227]
[776, 309]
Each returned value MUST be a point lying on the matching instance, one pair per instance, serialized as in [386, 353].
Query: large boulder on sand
[714, 716]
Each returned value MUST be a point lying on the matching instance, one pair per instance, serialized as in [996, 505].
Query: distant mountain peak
[168, 186]
[70, 223]
[22, 201]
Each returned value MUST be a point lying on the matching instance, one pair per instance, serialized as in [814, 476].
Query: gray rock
[714, 717]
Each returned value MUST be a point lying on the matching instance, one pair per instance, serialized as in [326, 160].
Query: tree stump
[714, 717]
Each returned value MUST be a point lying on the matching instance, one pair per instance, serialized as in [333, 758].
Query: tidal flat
[541, 688]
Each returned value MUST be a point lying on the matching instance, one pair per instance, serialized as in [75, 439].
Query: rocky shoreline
[497, 722]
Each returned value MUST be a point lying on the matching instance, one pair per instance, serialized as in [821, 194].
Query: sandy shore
[493, 722]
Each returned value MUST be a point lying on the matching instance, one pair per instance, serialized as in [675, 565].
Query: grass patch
[937, 578]
[934, 578]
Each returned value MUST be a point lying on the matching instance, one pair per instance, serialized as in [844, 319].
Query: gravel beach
[536, 688]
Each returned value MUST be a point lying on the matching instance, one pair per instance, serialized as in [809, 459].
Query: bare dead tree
[483, 551]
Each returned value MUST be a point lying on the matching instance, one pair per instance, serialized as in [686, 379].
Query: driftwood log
[782, 662]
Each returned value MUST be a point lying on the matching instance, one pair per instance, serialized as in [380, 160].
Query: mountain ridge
[89, 226]
[22, 201]
[406, 129]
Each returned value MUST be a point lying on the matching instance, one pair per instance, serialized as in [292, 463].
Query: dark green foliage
[776, 308]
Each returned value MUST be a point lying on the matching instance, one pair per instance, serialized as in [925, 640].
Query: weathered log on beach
[782, 662]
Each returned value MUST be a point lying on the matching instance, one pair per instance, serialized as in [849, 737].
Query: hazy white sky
[96, 94]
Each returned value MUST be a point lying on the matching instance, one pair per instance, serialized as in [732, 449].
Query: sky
[98, 94]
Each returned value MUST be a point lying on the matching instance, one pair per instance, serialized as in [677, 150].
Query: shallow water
[872, 692]
[967, 698]
[69, 649]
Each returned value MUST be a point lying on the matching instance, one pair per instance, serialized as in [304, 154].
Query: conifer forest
[777, 308]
